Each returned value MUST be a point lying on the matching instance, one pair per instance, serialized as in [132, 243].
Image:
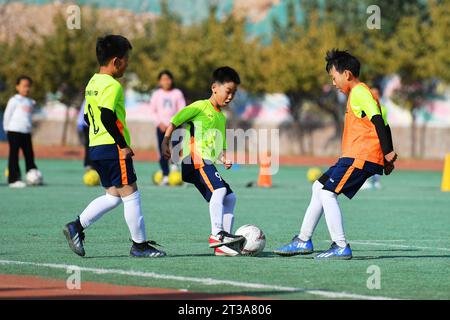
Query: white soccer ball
[255, 240]
[34, 177]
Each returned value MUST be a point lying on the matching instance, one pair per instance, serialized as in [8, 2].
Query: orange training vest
[360, 139]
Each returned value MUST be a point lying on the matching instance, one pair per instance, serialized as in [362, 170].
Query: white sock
[216, 210]
[333, 216]
[228, 212]
[97, 208]
[313, 213]
[133, 217]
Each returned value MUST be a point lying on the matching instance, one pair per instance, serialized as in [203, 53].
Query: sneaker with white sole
[230, 250]
[224, 238]
[18, 184]
[146, 250]
[336, 253]
[295, 247]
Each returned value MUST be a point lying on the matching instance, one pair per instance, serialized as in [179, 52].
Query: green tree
[420, 53]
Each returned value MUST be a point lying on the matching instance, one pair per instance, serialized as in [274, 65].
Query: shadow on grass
[262, 255]
[400, 257]
[166, 257]
[107, 257]
[384, 250]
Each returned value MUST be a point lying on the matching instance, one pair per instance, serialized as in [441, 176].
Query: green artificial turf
[403, 229]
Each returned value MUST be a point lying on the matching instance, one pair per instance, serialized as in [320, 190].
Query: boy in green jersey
[110, 152]
[204, 144]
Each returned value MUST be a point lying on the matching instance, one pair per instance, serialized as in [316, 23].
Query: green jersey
[103, 91]
[362, 102]
[206, 133]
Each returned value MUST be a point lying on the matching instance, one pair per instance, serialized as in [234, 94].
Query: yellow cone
[446, 174]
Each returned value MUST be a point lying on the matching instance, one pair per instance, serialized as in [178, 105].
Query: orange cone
[265, 178]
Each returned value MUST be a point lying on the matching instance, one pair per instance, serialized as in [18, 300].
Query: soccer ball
[313, 174]
[255, 240]
[34, 177]
[175, 178]
[157, 177]
[91, 178]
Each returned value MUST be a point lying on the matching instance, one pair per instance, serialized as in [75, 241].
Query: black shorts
[348, 175]
[115, 172]
[206, 178]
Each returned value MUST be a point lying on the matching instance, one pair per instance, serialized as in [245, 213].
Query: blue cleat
[296, 246]
[335, 253]
[146, 250]
[75, 237]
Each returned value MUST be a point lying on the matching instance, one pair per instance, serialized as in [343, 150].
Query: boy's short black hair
[111, 46]
[20, 78]
[226, 74]
[342, 60]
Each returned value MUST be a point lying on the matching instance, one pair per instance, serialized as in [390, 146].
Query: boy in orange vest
[367, 149]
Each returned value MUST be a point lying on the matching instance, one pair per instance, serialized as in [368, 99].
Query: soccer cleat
[336, 253]
[295, 247]
[223, 238]
[75, 238]
[231, 250]
[146, 250]
[17, 184]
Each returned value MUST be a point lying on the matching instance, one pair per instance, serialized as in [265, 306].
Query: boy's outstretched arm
[227, 163]
[165, 145]
[184, 115]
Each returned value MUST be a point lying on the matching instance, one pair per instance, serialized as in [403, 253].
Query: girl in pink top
[164, 104]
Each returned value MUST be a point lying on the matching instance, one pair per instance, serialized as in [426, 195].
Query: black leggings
[164, 164]
[16, 142]
[87, 159]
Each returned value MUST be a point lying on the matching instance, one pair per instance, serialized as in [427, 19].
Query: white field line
[393, 245]
[203, 281]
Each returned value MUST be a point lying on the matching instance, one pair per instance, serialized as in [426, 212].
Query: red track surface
[30, 287]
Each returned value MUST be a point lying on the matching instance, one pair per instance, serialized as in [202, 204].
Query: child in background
[17, 125]
[83, 132]
[164, 104]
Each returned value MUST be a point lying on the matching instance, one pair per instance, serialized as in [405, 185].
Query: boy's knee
[114, 200]
[230, 199]
[219, 194]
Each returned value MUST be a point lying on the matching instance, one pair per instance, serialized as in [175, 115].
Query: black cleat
[75, 237]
